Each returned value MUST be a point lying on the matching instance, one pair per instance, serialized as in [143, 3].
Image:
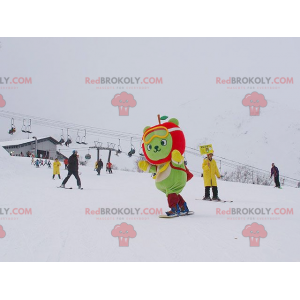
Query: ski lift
[78, 139]
[62, 140]
[141, 153]
[29, 127]
[185, 160]
[119, 149]
[12, 129]
[132, 150]
[23, 129]
[83, 140]
[69, 140]
[88, 156]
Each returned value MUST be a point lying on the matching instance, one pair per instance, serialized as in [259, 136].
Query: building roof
[60, 154]
[28, 141]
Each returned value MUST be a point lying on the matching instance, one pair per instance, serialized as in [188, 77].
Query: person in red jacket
[66, 162]
[109, 167]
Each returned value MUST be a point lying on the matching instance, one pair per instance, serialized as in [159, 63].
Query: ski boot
[206, 198]
[62, 186]
[216, 198]
[184, 209]
[175, 211]
[79, 187]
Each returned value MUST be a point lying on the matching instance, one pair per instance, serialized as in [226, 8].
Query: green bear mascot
[163, 147]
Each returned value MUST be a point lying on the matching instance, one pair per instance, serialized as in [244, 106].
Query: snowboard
[175, 216]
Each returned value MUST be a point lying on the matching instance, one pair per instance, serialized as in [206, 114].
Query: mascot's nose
[156, 148]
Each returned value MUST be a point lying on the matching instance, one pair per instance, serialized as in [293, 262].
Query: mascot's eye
[163, 142]
[149, 147]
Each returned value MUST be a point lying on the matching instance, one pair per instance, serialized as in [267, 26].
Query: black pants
[109, 171]
[98, 171]
[70, 173]
[214, 189]
[277, 183]
[58, 176]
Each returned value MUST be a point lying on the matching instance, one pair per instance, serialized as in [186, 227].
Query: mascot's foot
[174, 211]
[184, 208]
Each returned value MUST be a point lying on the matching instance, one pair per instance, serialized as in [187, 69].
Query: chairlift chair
[83, 140]
[132, 150]
[12, 129]
[141, 153]
[62, 140]
[29, 127]
[69, 140]
[24, 128]
[119, 149]
[78, 139]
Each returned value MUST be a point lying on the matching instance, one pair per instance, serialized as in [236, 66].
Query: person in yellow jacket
[210, 171]
[56, 170]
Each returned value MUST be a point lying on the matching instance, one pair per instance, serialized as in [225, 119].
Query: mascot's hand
[176, 156]
[143, 165]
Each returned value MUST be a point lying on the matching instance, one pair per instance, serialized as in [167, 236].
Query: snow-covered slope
[257, 141]
[58, 228]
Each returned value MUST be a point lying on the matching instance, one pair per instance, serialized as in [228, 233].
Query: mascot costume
[163, 147]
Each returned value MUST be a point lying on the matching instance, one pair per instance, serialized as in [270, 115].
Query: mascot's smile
[156, 149]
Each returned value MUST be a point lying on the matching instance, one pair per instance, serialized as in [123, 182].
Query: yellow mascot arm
[146, 167]
[177, 158]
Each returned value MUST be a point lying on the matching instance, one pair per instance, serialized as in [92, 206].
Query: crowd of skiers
[209, 167]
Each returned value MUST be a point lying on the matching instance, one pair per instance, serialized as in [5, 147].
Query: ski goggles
[160, 131]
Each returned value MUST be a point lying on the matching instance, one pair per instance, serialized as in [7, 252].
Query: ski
[70, 188]
[222, 201]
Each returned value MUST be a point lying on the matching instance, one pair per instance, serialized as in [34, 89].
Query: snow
[59, 229]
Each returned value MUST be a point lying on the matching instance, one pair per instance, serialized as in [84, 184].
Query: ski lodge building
[46, 147]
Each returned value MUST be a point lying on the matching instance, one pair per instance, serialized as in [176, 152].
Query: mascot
[163, 147]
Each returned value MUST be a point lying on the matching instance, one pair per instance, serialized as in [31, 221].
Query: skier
[210, 171]
[37, 163]
[56, 170]
[49, 164]
[99, 166]
[66, 162]
[275, 172]
[108, 167]
[96, 166]
[72, 170]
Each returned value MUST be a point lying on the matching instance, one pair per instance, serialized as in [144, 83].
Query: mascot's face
[159, 141]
